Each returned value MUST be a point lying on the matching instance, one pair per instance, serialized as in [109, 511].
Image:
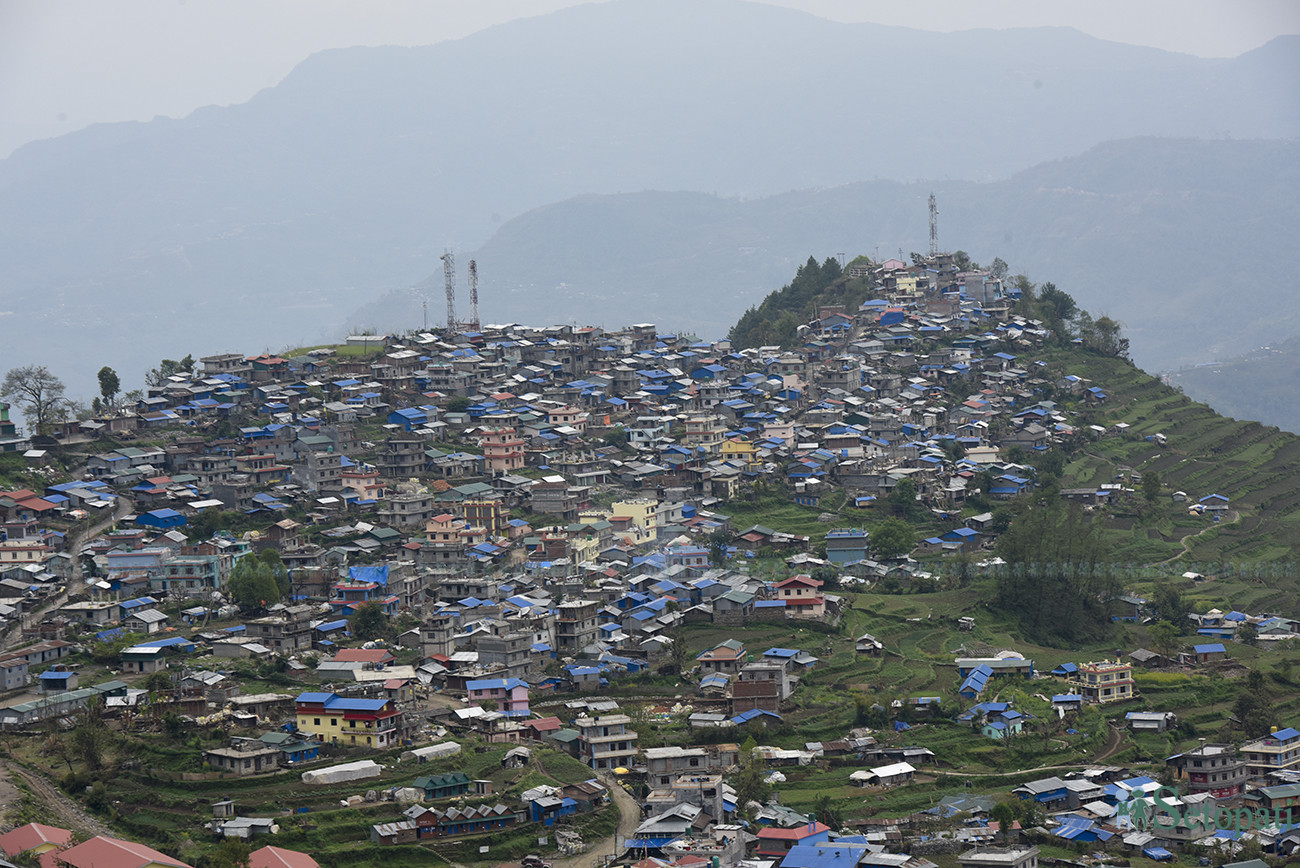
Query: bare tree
[38, 391]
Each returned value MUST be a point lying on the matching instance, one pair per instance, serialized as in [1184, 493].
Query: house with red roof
[101, 852]
[34, 838]
[372, 657]
[802, 596]
[278, 857]
[774, 843]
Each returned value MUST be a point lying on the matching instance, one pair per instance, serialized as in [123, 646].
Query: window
[315, 721]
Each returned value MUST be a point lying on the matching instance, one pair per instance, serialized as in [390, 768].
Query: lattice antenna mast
[934, 227]
[473, 293]
[449, 274]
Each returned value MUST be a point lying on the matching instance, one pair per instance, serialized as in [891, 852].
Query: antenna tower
[473, 294]
[934, 227]
[449, 273]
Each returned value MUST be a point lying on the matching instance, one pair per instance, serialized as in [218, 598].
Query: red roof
[807, 581]
[363, 655]
[545, 724]
[278, 857]
[798, 833]
[101, 852]
[24, 838]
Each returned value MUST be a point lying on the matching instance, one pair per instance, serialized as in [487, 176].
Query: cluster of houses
[551, 506]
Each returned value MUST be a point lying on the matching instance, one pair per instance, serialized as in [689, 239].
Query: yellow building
[735, 449]
[641, 511]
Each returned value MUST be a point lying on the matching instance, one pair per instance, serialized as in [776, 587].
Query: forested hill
[777, 319]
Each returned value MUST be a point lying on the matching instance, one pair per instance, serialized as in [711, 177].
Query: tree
[719, 540]
[892, 538]
[1164, 638]
[999, 269]
[749, 784]
[677, 653]
[37, 391]
[252, 583]
[167, 368]
[232, 853]
[1151, 486]
[1004, 815]
[369, 621]
[1248, 635]
[279, 572]
[616, 437]
[458, 404]
[1055, 581]
[91, 736]
[902, 499]
[109, 384]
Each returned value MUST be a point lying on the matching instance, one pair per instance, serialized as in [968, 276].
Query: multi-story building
[705, 432]
[403, 457]
[510, 695]
[1211, 768]
[606, 742]
[1279, 751]
[408, 508]
[503, 450]
[364, 722]
[802, 596]
[1104, 682]
[575, 626]
[288, 631]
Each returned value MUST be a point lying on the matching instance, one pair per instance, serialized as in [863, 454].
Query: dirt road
[629, 817]
[60, 809]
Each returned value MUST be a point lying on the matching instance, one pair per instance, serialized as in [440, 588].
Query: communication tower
[934, 227]
[449, 274]
[473, 294]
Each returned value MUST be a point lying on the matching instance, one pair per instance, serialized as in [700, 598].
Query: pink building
[509, 694]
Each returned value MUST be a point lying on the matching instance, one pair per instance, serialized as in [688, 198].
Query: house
[443, 786]
[1045, 791]
[725, 657]
[1150, 721]
[278, 857]
[145, 621]
[101, 852]
[606, 742]
[33, 838]
[1103, 682]
[775, 843]
[333, 718]
[244, 756]
[510, 695]
[999, 857]
[802, 597]
[1279, 751]
[1210, 652]
[1216, 769]
[868, 644]
[884, 776]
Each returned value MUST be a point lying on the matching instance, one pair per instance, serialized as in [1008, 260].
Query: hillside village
[610, 590]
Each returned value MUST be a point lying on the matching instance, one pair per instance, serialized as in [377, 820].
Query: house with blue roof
[1210, 652]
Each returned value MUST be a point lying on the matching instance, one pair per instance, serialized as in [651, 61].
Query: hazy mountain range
[269, 223]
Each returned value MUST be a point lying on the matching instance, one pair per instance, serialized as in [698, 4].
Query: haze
[66, 64]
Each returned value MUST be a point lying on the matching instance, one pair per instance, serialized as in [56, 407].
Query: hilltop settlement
[499, 593]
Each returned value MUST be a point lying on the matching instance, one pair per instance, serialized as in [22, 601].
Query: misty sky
[65, 64]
